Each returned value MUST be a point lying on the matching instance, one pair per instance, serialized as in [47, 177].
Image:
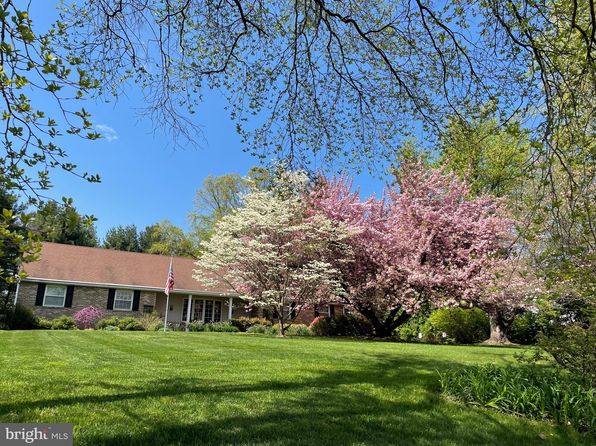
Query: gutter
[128, 286]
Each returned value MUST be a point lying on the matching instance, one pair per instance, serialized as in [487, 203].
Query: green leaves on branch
[31, 135]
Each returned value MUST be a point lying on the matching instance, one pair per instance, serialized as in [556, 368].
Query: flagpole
[165, 322]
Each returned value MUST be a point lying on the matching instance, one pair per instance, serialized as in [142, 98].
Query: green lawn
[142, 388]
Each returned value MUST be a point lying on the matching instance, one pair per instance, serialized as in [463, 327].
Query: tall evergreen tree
[123, 238]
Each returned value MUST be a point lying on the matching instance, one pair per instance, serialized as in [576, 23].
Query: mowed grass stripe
[219, 388]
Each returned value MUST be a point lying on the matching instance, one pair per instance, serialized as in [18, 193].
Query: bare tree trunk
[282, 329]
[497, 330]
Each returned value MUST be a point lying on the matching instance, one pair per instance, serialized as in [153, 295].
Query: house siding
[239, 310]
[308, 313]
[306, 316]
[83, 296]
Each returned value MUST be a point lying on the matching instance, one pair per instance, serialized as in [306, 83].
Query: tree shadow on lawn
[386, 371]
[350, 406]
[340, 419]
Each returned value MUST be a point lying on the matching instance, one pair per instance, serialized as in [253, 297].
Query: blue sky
[144, 178]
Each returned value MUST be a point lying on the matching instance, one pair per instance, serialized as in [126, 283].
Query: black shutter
[135, 300]
[111, 294]
[69, 294]
[41, 291]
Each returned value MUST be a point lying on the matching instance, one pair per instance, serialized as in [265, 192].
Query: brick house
[67, 278]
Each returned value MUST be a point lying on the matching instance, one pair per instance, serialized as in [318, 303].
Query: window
[147, 308]
[123, 300]
[55, 296]
[198, 310]
[208, 311]
[217, 311]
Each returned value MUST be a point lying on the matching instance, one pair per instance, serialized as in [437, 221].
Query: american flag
[170, 281]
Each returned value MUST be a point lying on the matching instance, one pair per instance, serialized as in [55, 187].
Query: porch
[203, 308]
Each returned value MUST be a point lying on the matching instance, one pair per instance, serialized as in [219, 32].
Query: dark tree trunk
[384, 328]
[382, 331]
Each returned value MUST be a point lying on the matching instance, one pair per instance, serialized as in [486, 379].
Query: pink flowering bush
[314, 322]
[88, 317]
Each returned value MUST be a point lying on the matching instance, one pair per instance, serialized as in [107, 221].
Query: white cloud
[107, 132]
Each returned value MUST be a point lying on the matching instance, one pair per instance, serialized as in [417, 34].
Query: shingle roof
[80, 264]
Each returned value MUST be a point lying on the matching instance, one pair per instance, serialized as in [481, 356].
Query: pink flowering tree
[274, 255]
[427, 243]
[88, 317]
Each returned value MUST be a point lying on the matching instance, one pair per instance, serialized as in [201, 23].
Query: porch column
[188, 311]
[230, 309]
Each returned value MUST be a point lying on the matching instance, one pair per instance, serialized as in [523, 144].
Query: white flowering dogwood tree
[275, 255]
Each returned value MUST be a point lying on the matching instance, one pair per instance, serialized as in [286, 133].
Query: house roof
[107, 267]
